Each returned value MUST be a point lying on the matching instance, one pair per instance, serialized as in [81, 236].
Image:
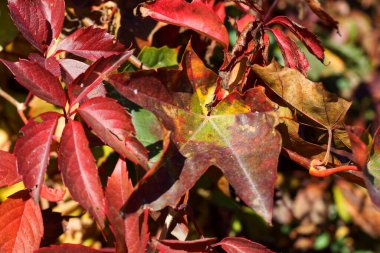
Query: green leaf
[154, 58]
[159, 57]
[372, 171]
[322, 241]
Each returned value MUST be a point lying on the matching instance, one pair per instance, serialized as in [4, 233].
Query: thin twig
[19, 106]
[329, 143]
[137, 63]
[269, 12]
[10, 99]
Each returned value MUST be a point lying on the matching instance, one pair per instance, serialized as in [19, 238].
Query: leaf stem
[19, 106]
[326, 158]
[137, 63]
[321, 171]
[269, 12]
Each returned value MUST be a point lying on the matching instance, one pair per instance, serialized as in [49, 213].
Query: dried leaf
[309, 98]
[316, 7]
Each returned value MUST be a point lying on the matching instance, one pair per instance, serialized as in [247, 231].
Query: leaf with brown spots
[309, 98]
[226, 139]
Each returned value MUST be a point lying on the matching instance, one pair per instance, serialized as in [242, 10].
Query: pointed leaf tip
[111, 123]
[39, 21]
[196, 15]
[21, 225]
[79, 170]
[32, 150]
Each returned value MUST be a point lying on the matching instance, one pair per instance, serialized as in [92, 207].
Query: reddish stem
[324, 172]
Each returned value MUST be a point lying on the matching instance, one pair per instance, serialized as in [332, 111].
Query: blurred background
[310, 214]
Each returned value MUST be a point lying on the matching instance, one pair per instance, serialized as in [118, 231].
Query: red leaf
[244, 21]
[21, 225]
[52, 194]
[51, 64]
[69, 248]
[175, 246]
[55, 14]
[293, 56]
[119, 187]
[71, 69]
[309, 39]
[38, 80]
[196, 15]
[316, 7]
[94, 75]
[90, 43]
[241, 245]
[39, 21]
[113, 126]
[8, 169]
[79, 171]
[32, 150]
[136, 232]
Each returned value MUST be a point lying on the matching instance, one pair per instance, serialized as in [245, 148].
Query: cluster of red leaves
[205, 131]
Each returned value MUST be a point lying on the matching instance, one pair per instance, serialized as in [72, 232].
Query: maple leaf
[79, 171]
[21, 225]
[111, 123]
[196, 15]
[8, 169]
[224, 139]
[39, 21]
[32, 150]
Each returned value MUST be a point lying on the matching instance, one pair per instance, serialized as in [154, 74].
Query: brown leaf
[309, 98]
[316, 7]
